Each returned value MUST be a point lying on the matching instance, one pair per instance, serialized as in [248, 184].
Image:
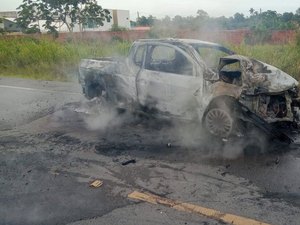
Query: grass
[285, 57]
[50, 60]
[46, 59]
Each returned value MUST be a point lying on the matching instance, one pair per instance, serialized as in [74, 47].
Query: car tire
[220, 118]
[218, 122]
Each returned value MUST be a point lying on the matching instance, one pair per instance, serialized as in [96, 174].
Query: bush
[285, 57]
[258, 36]
[298, 39]
[42, 58]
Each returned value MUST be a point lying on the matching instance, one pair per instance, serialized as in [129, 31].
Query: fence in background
[221, 36]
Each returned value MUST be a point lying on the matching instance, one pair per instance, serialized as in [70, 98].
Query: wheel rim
[219, 122]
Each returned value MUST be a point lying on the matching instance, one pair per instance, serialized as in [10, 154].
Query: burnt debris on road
[49, 159]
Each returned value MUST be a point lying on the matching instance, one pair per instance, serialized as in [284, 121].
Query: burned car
[228, 94]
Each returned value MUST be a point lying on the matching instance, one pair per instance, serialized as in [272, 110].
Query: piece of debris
[96, 183]
[277, 160]
[223, 174]
[55, 173]
[227, 166]
[128, 162]
[169, 145]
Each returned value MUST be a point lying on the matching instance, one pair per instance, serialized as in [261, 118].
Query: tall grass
[285, 57]
[48, 59]
[51, 60]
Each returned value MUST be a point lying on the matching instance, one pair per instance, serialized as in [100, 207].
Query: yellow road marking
[187, 207]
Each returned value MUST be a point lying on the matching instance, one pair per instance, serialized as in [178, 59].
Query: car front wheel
[218, 122]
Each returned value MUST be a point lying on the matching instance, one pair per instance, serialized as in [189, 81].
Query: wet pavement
[53, 143]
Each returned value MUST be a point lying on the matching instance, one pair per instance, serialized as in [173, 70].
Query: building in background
[8, 14]
[120, 18]
[7, 21]
[9, 25]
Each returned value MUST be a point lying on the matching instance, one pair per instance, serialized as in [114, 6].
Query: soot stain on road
[33, 194]
[63, 142]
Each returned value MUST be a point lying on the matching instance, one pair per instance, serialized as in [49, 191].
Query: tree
[239, 17]
[166, 20]
[201, 14]
[287, 16]
[2, 30]
[297, 17]
[251, 10]
[269, 20]
[145, 21]
[55, 13]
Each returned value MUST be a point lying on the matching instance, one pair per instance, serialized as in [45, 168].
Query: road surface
[54, 143]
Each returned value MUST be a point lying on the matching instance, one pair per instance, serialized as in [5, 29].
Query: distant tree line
[266, 20]
[260, 23]
[56, 13]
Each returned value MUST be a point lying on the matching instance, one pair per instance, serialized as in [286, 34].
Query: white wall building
[119, 18]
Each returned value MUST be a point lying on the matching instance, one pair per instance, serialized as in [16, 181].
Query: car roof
[192, 42]
[177, 40]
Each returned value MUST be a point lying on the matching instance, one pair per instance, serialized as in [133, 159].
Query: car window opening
[169, 60]
[231, 73]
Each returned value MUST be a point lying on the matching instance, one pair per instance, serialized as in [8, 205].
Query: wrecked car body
[195, 80]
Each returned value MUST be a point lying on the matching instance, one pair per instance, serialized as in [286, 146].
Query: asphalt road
[54, 143]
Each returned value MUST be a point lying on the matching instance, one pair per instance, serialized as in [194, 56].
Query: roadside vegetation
[41, 57]
[286, 57]
[48, 59]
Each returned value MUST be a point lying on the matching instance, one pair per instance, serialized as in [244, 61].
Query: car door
[168, 80]
[126, 81]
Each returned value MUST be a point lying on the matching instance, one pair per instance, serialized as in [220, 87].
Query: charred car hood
[260, 77]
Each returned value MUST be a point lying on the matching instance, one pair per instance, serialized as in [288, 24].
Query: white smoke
[99, 114]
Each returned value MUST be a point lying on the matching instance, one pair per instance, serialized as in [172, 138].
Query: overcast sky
[160, 8]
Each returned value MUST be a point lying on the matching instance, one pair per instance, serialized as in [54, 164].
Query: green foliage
[298, 39]
[259, 22]
[258, 36]
[70, 13]
[2, 31]
[50, 60]
[145, 21]
[117, 28]
[285, 57]
[201, 14]
[116, 39]
[32, 30]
